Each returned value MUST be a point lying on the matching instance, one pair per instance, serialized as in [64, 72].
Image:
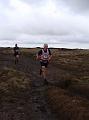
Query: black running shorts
[44, 63]
[16, 53]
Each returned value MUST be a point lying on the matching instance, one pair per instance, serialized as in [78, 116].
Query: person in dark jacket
[16, 53]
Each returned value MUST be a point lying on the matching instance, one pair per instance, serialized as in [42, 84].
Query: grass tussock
[75, 67]
[66, 106]
[15, 88]
[13, 81]
[74, 63]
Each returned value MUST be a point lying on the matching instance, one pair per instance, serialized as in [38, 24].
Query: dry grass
[68, 107]
[74, 79]
[30, 52]
[72, 60]
[75, 64]
[13, 81]
[15, 88]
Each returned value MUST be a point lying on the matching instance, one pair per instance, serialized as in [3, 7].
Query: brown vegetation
[66, 106]
[12, 80]
[68, 95]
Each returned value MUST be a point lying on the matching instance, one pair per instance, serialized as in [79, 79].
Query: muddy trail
[32, 104]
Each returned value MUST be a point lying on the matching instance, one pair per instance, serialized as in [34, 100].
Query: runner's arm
[38, 55]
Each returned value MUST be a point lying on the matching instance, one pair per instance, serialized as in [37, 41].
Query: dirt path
[33, 106]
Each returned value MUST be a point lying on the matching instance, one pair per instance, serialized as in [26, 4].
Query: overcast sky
[61, 23]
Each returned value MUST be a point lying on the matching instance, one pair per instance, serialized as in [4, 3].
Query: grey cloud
[76, 5]
[40, 27]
